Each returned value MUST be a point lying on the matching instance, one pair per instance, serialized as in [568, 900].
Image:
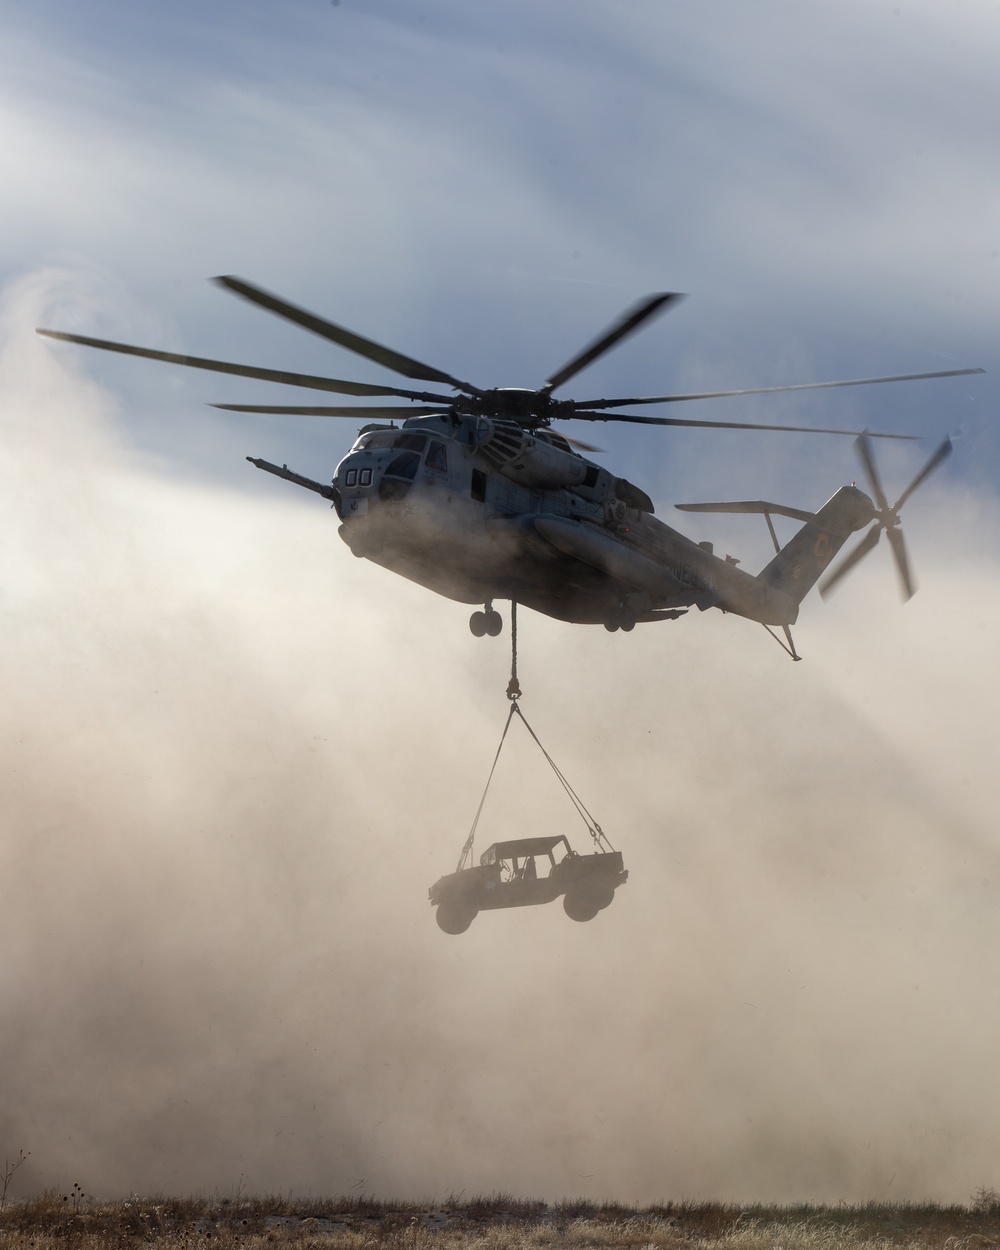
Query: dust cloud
[234, 758]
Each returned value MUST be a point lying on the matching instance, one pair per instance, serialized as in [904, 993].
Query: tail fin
[798, 565]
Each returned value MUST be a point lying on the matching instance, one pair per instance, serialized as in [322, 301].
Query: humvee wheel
[454, 917]
[581, 905]
[602, 896]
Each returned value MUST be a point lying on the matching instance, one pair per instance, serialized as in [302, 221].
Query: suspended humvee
[524, 873]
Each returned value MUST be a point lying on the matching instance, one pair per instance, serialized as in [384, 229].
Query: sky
[235, 757]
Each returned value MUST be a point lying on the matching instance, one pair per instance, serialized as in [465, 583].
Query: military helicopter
[475, 496]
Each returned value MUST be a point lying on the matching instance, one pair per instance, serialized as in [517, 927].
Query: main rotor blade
[895, 537]
[285, 411]
[627, 324]
[395, 361]
[581, 445]
[244, 371]
[939, 457]
[724, 425]
[869, 541]
[770, 390]
[863, 448]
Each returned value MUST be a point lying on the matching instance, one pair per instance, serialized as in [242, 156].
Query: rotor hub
[530, 409]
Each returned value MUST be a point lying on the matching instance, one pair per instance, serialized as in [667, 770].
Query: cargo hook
[513, 687]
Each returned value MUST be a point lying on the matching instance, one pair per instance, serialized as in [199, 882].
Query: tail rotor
[885, 518]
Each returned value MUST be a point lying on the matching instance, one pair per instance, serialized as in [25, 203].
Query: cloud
[485, 191]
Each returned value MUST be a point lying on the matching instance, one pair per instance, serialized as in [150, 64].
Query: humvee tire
[455, 917]
[603, 895]
[580, 905]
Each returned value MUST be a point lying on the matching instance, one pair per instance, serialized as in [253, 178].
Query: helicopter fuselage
[477, 498]
[478, 510]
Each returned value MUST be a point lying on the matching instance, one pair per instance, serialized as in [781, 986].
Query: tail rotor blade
[864, 449]
[895, 537]
[939, 457]
[887, 519]
[869, 541]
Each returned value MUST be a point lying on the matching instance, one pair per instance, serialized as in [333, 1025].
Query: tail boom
[799, 564]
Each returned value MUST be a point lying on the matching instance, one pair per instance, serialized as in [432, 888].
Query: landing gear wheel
[626, 619]
[478, 623]
[454, 917]
[611, 623]
[494, 623]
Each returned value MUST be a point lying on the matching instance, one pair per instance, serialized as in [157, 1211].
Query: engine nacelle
[540, 464]
[520, 456]
[545, 467]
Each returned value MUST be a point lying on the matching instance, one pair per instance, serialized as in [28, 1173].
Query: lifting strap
[469, 841]
[514, 694]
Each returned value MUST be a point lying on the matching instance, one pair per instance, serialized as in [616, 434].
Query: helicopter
[476, 496]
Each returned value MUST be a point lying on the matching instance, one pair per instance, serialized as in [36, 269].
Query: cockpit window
[437, 457]
[374, 440]
[380, 438]
[412, 442]
[404, 465]
[399, 473]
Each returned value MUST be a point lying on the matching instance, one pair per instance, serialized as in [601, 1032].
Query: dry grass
[75, 1221]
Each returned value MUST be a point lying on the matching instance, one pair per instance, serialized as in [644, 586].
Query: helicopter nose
[355, 474]
[353, 484]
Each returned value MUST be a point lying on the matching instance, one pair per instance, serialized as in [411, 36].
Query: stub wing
[757, 506]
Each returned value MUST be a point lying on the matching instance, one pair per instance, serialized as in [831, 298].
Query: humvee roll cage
[523, 848]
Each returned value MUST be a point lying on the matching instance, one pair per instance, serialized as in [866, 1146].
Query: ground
[498, 1222]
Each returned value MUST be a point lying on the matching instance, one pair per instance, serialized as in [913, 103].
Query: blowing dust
[234, 758]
